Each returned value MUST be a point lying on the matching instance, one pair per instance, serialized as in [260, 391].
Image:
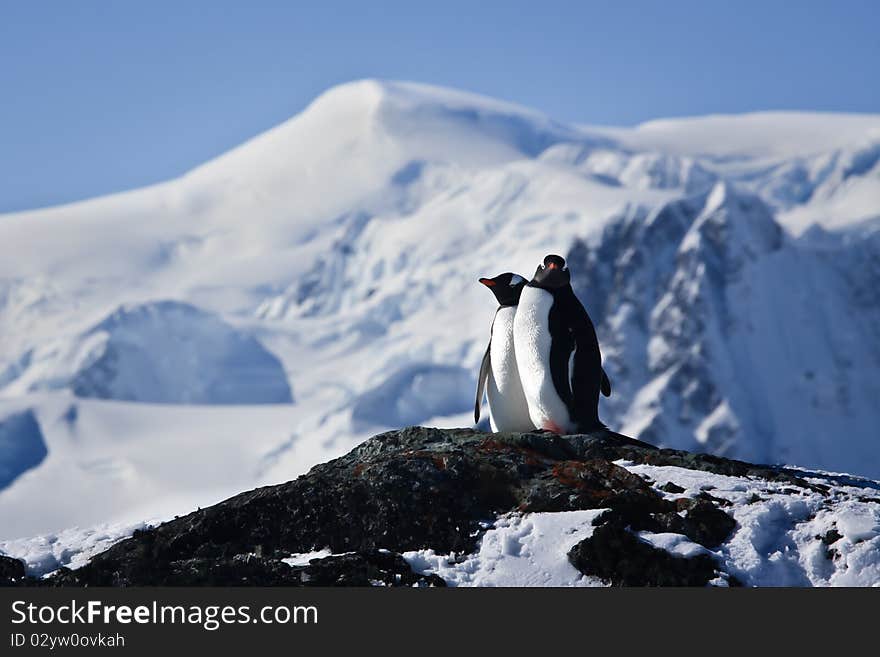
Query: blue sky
[97, 97]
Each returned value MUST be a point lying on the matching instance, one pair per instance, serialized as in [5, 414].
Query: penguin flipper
[606, 384]
[481, 383]
[587, 376]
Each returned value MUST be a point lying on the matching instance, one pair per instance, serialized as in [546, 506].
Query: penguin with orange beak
[557, 353]
[499, 377]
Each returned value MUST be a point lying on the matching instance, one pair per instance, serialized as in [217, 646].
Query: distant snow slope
[162, 352]
[112, 462]
[730, 263]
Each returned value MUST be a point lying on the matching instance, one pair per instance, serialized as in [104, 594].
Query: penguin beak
[488, 282]
[552, 265]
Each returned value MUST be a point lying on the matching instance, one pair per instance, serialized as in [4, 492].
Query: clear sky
[97, 97]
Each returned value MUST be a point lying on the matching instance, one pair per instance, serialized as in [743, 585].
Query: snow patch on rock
[69, 548]
[828, 536]
[518, 550]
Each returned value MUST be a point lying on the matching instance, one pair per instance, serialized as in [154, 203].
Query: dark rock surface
[12, 571]
[428, 488]
[366, 568]
[615, 554]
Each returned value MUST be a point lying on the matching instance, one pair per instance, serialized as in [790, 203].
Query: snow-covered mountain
[731, 263]
[163, 352]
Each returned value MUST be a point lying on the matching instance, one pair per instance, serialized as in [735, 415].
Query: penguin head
[552, 273]
[506, 287]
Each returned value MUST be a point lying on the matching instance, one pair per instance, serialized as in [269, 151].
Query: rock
[615, 554]
[702, 522]
[419, 488]
[703, 495]
[12, 571]
[369, 568]
[830, 537]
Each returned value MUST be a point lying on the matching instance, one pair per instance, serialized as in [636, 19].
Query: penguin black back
[572, 329]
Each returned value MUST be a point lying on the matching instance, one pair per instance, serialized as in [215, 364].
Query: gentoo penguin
[499, 377]
[562, 392]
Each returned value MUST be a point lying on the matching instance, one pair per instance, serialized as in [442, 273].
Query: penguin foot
[552, 427]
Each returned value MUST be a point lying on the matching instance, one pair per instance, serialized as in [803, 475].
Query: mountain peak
[364, 131]
[746, 221]
[717, 197]
[369, 93]
[357, 96]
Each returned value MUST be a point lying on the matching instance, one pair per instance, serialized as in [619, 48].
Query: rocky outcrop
[419, 488]
[12, 571]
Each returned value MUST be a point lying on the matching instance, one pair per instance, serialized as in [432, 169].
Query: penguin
[499, 377]
[562, 388]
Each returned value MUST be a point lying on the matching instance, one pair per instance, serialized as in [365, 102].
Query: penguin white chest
[532, 342]
[508, 410]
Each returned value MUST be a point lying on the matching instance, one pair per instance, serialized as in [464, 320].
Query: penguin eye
[565, 268]
[542, 266]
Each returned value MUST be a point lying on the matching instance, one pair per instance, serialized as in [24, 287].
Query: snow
[71, 548]
[752, 135]
[120, 462]
[751, 344]
[800, 162]
[413, 395]
[517, 550]
[859, 522]
[780, 530]
[303, 558]
[676, 544]
[729, 263]
[163, 352]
